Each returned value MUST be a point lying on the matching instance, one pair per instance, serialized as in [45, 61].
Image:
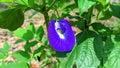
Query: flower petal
[54, 37]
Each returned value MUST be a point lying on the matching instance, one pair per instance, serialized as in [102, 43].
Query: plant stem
[46, 17]
[57, 12]
[90, 11]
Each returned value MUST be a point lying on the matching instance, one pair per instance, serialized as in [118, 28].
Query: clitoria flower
[60, 35]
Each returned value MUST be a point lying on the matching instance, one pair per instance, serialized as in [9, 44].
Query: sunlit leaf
[84, 5]
[83, 56]
[114, 59]
[14, 65]
[24, 34]
[21, 56]
[31, 27]
[10, 1]
[23, 2]
[4, 51]
[28, 45]
[104, 2]
[104, 14]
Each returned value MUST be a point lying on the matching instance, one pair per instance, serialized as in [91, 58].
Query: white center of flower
[57, 25]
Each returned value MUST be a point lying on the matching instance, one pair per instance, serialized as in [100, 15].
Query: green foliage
[82, 55]
[23, 2]
[113, 59]
[4, 50]
[101, 29]
[11, 18]
[10, 1]
[84, 5]
[104, 14]
[15, 65]
[24, 34]
[115, 10]
[21, 56]
[39, 33]
[97, 46]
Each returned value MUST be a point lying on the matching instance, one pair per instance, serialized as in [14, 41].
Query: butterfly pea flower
[60, 35]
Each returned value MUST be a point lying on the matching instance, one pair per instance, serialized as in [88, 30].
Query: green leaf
[6, 46]
[104, 14]
[38, 50]
[84, 35]
[81, 24]
[4, 51]
[28, 45]
[83, 56]
[24, 34]
[14, 65]
[11, 18]
[104, 2]
[31, 27]
[28, 3]
[11, 1]
[21, 56]
[17, 65]
[84, 5]
[114, 59]
[23, 2]
[115, 10]
[53, 16]
[99, 48]
[31, 3]
[19, 41]
[101, 29]
[109, 45]
[39, 33]
[63, 56]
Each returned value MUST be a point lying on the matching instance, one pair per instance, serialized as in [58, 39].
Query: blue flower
[61, 36]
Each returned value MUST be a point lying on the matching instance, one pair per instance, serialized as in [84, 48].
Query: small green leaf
[83, 56]
[24, 34]
[28, 3]
[19, 41]
[6, 46]
[104, 2]
[11, 18]
[23, 2]
[31, 27]
[38, 50]
[104, 14]
[4, 51]
[39, 33]
[21, 56]
[84, 5]
[28, 45]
